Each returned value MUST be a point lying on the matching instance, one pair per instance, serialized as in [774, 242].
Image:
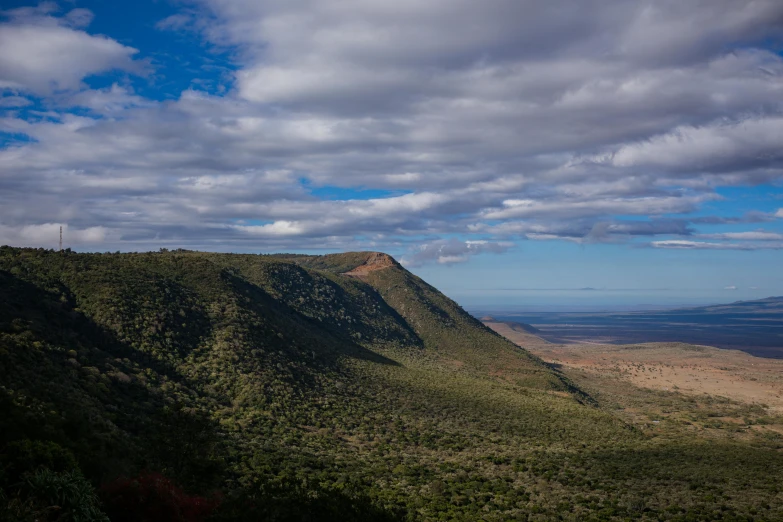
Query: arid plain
[652, 383]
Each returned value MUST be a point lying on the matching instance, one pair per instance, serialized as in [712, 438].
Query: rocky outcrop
[375, 261]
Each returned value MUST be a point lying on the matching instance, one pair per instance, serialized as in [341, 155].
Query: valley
[677, 370]
[755, 327]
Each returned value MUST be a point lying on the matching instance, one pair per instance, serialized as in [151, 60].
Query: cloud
[701, 245]
[757, 235]
[731, 287]
[568, 207]
[14, 101]
[48, 235]
[176, 22]
[112, 100]
[717, 147]
[587, 230]
[779, 213]
[42, 54]
[451, 251]
[603, 123]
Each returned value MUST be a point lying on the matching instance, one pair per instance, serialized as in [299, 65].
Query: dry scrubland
[643, 380]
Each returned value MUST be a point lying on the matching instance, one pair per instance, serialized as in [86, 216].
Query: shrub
[63, 496]
[27, 456]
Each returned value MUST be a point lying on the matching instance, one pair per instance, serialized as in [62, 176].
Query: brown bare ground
[376, 261]
[689, 369]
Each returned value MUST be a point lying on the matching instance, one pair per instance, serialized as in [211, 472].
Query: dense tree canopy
[197, 386]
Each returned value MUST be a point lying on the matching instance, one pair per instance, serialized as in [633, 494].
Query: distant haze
[755, 326]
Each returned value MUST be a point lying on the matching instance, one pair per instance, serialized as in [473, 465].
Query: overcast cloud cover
[438, 130]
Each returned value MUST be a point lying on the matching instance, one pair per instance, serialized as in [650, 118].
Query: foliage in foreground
[197, 386]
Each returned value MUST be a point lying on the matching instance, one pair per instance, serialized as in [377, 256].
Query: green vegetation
[194, 386]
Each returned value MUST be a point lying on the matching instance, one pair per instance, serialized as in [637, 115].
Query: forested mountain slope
[245, 387]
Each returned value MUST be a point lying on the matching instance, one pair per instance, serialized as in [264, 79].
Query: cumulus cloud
[716, 147]
[587, 230]
[14, 101]
[48, 235]
[679, 244]
[567, 207]
[450, 251]
[41, 53]
[756, 235]
[496, 121]
[109, 101]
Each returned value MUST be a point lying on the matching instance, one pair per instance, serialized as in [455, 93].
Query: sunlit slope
[444, 328]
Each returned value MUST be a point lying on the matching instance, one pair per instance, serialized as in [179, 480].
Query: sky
[511, 152]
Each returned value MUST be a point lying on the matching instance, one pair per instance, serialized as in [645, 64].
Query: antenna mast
[61, 238]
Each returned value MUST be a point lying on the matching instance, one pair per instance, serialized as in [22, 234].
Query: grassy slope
[380, 384]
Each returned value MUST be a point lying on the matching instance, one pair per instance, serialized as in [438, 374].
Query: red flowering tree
[151, 497]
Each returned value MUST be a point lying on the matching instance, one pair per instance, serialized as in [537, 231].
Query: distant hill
[513, 326]
[522, 327]
[772, 305]
[291, 387]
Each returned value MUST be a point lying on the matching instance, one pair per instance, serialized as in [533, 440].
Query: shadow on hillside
[50, 317]
[359, 352]
[411, 338]
[332, 345]
[61, 358]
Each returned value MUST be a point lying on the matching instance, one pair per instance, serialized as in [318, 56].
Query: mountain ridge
[279, 380]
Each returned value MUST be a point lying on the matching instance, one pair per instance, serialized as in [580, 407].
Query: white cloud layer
[702, 245]
[46, 233]
[493, 121]
[41, 54]
[451, 251]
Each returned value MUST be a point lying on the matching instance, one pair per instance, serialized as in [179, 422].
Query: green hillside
[338, 387]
